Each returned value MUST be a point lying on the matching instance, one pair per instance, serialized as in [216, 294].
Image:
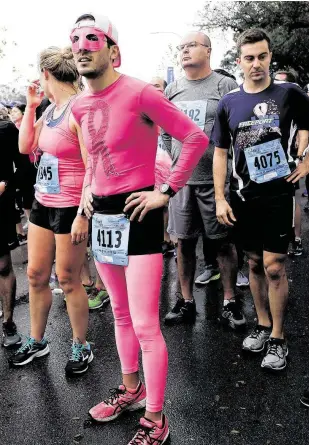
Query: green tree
[286, 22]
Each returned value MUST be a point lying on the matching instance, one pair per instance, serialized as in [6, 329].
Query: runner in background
[27, 172]
[9, 157]
[192, 212]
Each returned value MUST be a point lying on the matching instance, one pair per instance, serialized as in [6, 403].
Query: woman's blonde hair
[60, 63]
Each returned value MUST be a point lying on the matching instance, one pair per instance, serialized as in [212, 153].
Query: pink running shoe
[150, 433]
[120, 400]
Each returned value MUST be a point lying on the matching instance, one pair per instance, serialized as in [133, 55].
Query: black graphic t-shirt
[261, 128]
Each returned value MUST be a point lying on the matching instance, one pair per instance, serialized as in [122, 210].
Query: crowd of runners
[129, 172]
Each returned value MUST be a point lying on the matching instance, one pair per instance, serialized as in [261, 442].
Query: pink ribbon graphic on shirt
[99, 149]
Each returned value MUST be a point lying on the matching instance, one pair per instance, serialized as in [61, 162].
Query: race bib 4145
[47, 178]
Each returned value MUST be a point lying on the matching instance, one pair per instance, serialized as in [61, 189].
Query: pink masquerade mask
[87, 38]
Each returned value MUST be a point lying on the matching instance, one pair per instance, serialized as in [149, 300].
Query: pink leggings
[134, 292]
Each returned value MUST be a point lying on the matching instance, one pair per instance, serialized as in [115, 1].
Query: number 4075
[267, 160]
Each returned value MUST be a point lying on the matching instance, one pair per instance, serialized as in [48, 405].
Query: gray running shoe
[277, 352]
[256, 341]
[208, 276]
[242, 280]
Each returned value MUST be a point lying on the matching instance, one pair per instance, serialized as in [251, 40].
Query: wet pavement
[215, 395]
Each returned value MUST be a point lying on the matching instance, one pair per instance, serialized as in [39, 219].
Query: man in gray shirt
[193, 210]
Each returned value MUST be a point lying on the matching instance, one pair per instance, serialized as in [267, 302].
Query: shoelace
[28, 345]
[273, 349]
[76, 352]
[143, 433]
[114, 396]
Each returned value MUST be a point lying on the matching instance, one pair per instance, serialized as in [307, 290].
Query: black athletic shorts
[7, 222]
[145, 237]
[58, 220]
[264, 223]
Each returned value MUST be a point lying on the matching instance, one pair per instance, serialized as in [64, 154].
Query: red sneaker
[120, 400]
[150, 434]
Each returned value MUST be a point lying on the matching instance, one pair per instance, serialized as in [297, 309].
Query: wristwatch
[167, 190]
[81, 212]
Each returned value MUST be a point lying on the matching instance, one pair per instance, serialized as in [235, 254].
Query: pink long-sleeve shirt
[119, 127]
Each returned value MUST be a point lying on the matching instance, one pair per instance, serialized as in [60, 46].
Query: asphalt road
[215, 395]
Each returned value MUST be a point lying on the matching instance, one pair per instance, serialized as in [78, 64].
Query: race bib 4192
[195, 110]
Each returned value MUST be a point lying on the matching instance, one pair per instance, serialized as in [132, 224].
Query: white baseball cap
[104, 24]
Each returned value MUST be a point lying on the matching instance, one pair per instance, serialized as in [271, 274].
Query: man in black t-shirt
[9, 155]
[259, 119]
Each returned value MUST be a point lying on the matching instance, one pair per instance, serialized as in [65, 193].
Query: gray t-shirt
[199, 100]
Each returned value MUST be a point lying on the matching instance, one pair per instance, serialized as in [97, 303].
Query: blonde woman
[56, 224]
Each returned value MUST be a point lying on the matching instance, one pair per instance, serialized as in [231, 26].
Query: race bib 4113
[110, 239]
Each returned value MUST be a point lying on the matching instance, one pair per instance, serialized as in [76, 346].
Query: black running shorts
[58, 220]
[264, 223]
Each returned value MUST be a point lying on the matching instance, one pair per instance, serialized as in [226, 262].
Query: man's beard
[95, 74]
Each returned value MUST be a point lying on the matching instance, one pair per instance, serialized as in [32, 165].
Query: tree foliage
[10, 93]
[4, 42]
[287, 23]
[14, 90]
[170, 58]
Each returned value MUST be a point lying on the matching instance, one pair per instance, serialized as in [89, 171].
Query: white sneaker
[277, 352]
[255, 342]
